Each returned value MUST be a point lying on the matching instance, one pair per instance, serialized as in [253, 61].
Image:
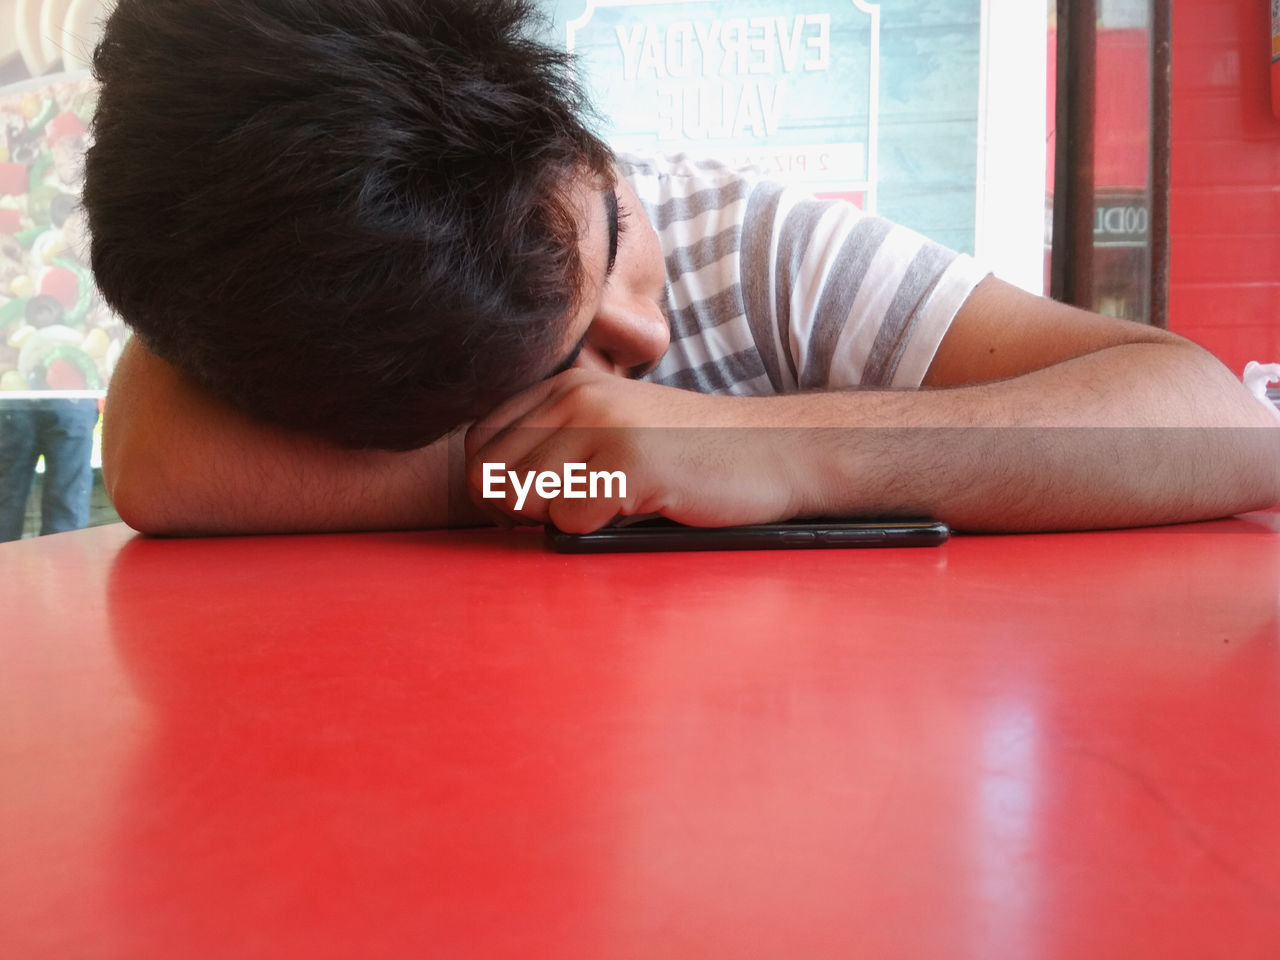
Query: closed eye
[568, 361]
[616, 218]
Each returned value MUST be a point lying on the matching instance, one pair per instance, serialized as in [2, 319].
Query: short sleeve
[771, 290]
[849, 299]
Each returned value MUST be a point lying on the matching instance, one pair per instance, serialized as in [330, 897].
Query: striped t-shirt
[771, 291]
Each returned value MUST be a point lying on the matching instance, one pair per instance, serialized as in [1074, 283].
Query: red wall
[1224, 287]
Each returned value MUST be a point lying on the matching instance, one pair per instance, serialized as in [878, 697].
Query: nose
[629, 331]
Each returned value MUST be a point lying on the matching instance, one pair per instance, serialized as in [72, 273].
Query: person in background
[62, 431]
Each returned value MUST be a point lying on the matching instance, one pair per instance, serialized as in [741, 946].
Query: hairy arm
[177, 461]
[1035, 416]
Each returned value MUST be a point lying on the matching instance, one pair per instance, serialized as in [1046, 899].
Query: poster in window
[57, 337]
[874, 101]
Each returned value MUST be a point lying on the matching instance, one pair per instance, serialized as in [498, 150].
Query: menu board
[875, 101]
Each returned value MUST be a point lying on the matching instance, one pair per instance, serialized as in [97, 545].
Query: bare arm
[1053, 419]
[1190, 446]
[1115, 424]
[177, 461]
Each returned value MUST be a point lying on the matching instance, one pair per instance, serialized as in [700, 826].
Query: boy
[346, 231]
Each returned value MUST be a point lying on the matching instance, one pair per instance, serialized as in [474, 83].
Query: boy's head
[349, 217]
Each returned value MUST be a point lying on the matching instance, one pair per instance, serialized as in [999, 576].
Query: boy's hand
[696, 459]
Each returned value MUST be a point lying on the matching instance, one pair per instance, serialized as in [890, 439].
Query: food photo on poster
[57, 337]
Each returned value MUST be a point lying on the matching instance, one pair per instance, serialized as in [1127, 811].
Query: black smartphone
[662, 535]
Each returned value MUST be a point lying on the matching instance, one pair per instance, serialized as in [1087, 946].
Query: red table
[457, 745]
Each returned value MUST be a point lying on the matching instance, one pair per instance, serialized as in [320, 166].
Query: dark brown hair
[346, 217]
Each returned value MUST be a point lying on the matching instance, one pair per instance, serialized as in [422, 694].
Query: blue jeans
[62, 430]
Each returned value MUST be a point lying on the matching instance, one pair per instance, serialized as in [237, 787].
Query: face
[619, 327]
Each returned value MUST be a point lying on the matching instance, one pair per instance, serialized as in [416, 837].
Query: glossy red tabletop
[457, 745]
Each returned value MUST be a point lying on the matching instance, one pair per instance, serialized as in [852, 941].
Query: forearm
[176, 461]
[1134, 434]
